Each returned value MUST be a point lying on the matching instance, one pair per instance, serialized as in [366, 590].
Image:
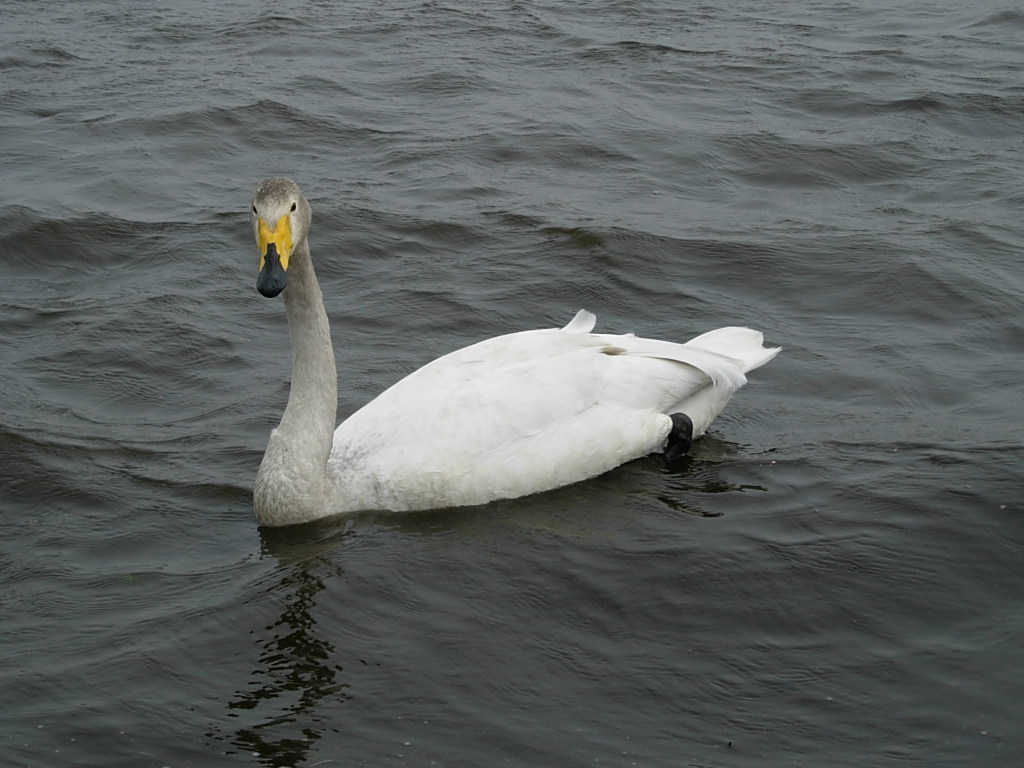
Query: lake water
[836, 578]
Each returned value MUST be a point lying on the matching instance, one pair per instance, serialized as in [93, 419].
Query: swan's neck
[292, 484]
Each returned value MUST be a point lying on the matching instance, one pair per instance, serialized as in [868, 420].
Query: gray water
[833, 579]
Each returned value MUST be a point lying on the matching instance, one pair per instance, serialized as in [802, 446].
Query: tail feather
[582, 322]
[744, 345]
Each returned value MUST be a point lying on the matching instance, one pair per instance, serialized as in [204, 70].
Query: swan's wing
[525, 412]
[498, 434]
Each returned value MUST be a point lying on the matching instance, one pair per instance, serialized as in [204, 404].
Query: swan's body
[509, 416]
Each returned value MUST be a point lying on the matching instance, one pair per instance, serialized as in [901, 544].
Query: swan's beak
[275, 246]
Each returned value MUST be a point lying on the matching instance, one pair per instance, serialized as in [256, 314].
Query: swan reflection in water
[279, 710]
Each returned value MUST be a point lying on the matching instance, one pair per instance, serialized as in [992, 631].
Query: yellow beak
[279, 236]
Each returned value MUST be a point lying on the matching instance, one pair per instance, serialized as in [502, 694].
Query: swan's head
[280, 220]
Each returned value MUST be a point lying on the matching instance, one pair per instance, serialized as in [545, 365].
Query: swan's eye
[254, 209]
[294, 206]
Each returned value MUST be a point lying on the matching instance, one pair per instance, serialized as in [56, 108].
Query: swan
[506, 417]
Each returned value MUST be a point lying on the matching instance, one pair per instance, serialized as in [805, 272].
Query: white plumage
[506, 417]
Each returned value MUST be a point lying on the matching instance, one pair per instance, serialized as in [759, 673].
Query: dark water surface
[835, 579]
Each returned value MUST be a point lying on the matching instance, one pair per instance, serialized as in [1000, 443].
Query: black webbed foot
[680, 438]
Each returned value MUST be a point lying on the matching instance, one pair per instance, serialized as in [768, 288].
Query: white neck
[291, 485]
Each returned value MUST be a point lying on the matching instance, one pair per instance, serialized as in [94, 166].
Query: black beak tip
[269, 283]
[271, 280]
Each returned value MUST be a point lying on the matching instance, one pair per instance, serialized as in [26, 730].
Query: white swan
[513, 415]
